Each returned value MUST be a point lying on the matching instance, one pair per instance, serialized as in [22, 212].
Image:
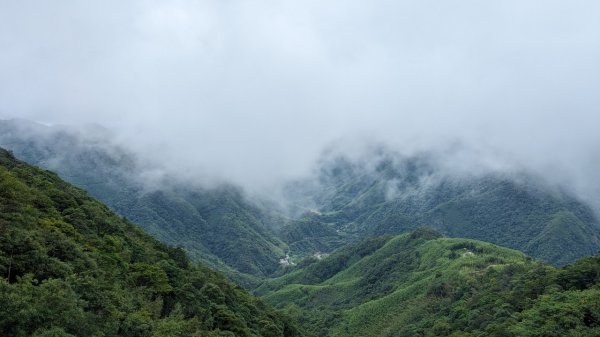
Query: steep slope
[422, 284]
[391, 194]
[217, 226]
[71, 267]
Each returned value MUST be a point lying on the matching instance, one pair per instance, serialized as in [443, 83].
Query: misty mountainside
[349, 200]
[424, 284]
[217, 225]
[390, 194]
[71, 267]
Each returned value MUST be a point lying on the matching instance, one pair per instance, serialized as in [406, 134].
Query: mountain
[218, 225]
[423, 284]
[349, 200]
[71, 267]
[390, 194]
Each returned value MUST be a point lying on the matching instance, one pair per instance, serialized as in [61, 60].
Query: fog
[253, 91]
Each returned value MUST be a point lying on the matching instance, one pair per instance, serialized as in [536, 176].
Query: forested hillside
[217, 226]
[391, 194]
[348, 201]
[71, 267]
[235, 168]
[422, 284]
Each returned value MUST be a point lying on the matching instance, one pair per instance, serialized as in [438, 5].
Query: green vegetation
[217, 226]
[422, 284]
[71, 267]
[214, 226]
[402, 194]
[348, 202]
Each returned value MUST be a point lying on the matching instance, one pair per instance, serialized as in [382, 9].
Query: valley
[423, 284]
[299, 168]
[349, 259]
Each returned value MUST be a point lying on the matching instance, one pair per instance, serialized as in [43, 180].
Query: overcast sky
[254, 90]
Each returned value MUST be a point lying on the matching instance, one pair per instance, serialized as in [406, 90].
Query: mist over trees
[299, 168]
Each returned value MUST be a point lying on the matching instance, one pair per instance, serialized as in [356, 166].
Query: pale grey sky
[254, 90]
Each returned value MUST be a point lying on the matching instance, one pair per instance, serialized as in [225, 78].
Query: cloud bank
[252, 91]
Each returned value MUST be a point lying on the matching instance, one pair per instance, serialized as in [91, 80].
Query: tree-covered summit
[424, 284]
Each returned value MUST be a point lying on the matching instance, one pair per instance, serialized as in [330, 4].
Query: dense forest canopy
[71, 267]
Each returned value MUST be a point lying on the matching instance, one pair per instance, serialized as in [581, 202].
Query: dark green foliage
[420, 284]
[310, 235]
[70, 267]
[584, 274]
[216, 226]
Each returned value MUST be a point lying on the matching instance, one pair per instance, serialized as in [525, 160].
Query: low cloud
[253, 91]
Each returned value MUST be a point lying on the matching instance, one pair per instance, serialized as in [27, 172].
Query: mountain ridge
[424, 284]
[397, 195]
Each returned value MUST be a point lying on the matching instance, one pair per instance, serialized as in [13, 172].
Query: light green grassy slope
[422, 284]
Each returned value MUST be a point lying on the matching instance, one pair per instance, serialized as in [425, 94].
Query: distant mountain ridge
[347, 202]
[392, 194]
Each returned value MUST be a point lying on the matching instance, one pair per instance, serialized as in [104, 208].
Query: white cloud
[253, 90]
